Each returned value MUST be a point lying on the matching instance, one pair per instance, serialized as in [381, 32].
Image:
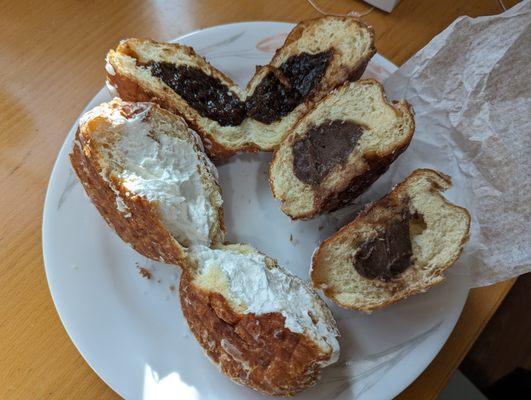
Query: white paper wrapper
[470, 88]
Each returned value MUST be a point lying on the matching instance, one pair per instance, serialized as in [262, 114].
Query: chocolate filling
[322, 148]
[389, 254]
[281, 91]
[205, 93]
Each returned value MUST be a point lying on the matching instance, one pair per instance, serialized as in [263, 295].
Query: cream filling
[165, 170]
[255, 288]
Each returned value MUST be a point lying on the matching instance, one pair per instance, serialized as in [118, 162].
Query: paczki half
[144, 170]
[337, 150]
[401, 245]
[263, 327]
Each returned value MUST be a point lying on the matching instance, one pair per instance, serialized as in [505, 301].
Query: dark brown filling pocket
[281, 91]
[390, 253]
[204, 93]
[322, 148]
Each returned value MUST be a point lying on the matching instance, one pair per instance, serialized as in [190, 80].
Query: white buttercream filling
[259, 289]
[164, 170]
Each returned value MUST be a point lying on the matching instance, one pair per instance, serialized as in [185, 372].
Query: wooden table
[51, 64]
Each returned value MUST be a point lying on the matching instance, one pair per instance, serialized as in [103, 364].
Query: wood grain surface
[51, 65]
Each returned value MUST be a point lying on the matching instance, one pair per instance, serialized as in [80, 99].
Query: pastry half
[144, 170]
[262, 326]
[401, 245]
[339, 148]
[181, 81]
[318, 55]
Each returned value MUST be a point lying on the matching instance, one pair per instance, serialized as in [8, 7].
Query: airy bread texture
[147, 175]
[263, 326]
[387, 131]
[351, 43]
[438, 233]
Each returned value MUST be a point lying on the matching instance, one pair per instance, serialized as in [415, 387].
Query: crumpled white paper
[470, 88]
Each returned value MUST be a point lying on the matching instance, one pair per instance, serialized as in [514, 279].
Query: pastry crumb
[144, 272]
[293, 240]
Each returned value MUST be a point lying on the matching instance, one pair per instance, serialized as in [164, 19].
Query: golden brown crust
[255, 351]
[296, 32]
[142, 229]
[389, 201]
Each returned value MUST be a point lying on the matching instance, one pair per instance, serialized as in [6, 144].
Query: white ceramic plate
[130, 329]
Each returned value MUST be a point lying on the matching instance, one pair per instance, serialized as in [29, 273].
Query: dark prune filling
[274, 98]
[277, 94]
[206, 94]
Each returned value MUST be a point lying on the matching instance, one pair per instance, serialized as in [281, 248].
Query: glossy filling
[390, 253]
[279, 92]
[322, 148]
[206, 94]
[282, 90]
